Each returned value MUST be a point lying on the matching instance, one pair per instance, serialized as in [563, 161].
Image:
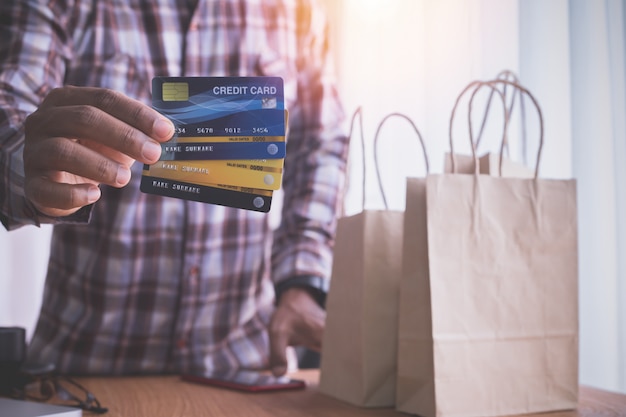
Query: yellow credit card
[217, 172]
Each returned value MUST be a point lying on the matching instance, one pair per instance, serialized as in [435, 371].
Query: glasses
[60, 390]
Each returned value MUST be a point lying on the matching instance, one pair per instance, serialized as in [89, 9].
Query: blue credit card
[194, 151]
[221, 106]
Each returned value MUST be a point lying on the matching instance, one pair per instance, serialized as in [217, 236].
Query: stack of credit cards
[229, 142]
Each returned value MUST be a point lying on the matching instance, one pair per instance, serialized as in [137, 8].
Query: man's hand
[297, 321]
[81, 137]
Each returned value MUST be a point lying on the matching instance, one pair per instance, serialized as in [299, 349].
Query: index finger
[118, 105]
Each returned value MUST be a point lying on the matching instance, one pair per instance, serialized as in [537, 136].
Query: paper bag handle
[359, 113]
[506, 75]
[518, 87]
[477, 85]
[376, 136]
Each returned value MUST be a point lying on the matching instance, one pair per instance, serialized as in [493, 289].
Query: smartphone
[245, 380]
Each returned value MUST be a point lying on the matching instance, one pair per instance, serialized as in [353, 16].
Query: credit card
[221, 106]
[223, 195]
[192, 151]
[218, 172]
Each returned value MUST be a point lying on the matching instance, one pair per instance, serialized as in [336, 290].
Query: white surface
[16, 408]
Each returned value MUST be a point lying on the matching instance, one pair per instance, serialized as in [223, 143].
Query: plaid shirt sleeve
[32, 62]
[314, 175]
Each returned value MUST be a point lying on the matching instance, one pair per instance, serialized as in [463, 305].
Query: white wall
[415, 57]
[23, 262]
[599, 120]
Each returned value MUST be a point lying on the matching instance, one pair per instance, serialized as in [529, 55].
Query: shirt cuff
[314, 285]
[82, 216]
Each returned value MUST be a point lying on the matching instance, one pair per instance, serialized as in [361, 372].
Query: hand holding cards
[229, 146]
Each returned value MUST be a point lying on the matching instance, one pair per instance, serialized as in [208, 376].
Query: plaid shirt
[142, 283]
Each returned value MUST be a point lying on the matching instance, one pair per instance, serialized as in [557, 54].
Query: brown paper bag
[488, 310]
[358, 358]
[489, 163]
[359, 348]
[414, 384]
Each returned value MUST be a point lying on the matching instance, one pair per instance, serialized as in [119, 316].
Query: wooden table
[168, 396]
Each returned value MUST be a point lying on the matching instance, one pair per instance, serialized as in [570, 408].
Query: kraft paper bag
[358, 359]
[488, 320]
[415, 366]
[359, 347]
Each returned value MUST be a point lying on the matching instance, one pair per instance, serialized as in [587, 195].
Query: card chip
[175, 91]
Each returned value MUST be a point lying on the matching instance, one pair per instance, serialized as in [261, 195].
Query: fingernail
[123, 176]
[163, 129]
[93, 195]
[151, 151]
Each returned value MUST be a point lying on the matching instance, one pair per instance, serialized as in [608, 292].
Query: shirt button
[181, 343]
[194, 270]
